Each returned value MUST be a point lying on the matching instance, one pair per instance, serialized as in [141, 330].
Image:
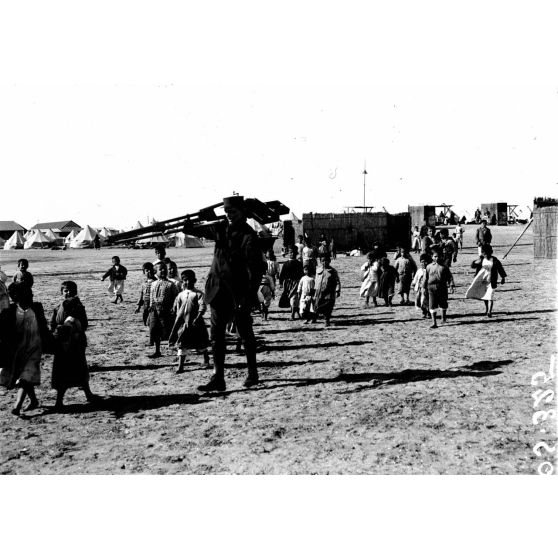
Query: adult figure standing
[483, 236]
[232, 288]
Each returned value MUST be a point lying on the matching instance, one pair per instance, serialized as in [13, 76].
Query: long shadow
[482, 314]
[486, 321]
[297, 347]
[479, 369]
[277, 364]
[123, 404]
[116, 367]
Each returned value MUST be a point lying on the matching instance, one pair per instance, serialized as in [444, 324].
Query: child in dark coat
[437, 279]
[386, 281]
[117, 274]
[68, 324]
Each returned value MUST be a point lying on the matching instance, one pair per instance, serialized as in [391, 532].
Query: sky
[114, 111]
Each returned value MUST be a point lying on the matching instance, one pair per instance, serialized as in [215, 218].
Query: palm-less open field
[378, 392]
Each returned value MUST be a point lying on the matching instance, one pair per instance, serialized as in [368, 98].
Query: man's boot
[252, 378]
[217, 381]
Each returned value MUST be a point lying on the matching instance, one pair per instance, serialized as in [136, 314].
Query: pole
[364, 173]
[522, 233]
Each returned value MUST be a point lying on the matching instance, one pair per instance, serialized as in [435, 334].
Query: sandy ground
[377, 393]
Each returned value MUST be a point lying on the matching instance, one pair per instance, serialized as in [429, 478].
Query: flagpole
[364, 173]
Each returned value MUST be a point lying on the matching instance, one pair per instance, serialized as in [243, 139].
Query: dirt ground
[377, 393]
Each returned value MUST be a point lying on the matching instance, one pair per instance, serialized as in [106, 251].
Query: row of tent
[85, 238]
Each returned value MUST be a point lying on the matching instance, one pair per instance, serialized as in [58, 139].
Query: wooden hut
[499, 209]
[545, 227]
[422, 215]
[359, 230]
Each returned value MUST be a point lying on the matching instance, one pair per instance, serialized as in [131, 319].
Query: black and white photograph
[244, 239]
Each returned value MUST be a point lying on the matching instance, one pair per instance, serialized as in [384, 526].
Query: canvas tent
[85, 238]
[158, 240]
[15, 242]
[38, 240]
[70, 237]
[182, 240]
[29, 234]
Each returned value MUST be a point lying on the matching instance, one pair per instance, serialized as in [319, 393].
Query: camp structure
[29, 234]
[60, 228]
[85, 238]
[55, 239]
[181, 240]
[70, 237]
[2, 242]
[8, 228]
[15, 242]
[545, 227]
[359, 230]
[38, 240]
[422, 215]
[498, 212]
[154, 241]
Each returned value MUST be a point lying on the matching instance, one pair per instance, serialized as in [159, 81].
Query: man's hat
[233, 201]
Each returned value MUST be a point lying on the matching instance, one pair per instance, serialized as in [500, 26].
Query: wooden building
[61, 228]
[499, 209]
[359, 230]
[8, 228]
[545, 227]
[422, 215]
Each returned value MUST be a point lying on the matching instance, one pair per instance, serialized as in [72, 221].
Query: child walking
[266, 292]
[386, 282]
[421, 296]
[68, 324]
[22, 275]
[306, 289]
[437, 279]
[369, 286]
[189, 330]
[145, 291]
[117, 274]
[291, 272]
[328, 288]
[485, 282]
[24, 336]
[161, 302]
[406, 268]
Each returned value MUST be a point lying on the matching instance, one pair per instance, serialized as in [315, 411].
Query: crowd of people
[241, 280]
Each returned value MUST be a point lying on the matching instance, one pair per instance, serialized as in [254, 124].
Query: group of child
[25, 335]
[174, 309]
[432, 280]
[309, 289]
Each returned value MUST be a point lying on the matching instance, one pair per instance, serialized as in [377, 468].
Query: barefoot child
[386, 282]
[486, 280]
[24, 335]
[68, 324]
[421, 296]
[369, 287]
[328, 288]
[161, 301]
[22, 275]
[117, 274]
[437, 279]
[291, 273]
[406, 268]
[189, 330]
[266, 292]
[306, 288]
[145, 292]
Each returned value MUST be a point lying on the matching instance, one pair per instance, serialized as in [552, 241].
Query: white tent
[85, 238]
[71, 236]
[15, 242]
[182, 240]
[28, 233]
[38, 240]
[154, 241]
[105, 233]
[54, 238]
[138, 225]
[259, 228]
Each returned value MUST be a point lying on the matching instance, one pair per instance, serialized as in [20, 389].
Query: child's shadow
[123, 404]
